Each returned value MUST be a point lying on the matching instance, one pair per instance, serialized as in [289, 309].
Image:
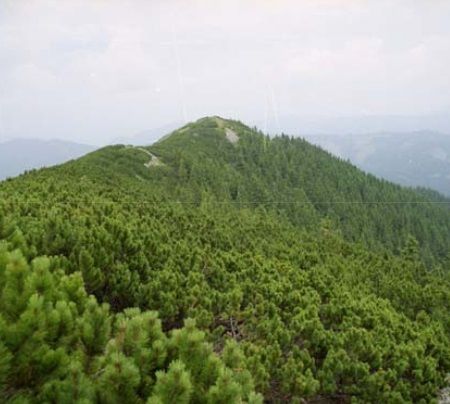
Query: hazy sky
[94, 70]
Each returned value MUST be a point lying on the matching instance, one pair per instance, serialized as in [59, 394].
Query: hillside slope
[285, 175]
[299, 292]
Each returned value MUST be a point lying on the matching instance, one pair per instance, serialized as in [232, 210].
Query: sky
[93, 71]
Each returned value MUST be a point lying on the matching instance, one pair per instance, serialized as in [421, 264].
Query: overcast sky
[95, 70]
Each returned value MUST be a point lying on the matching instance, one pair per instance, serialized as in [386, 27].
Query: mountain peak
[208, 129]
[214, 119]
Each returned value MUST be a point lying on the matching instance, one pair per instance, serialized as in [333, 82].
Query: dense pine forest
[221, 266]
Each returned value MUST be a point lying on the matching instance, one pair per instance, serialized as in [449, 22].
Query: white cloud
[98, 69]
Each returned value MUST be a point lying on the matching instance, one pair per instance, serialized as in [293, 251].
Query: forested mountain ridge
[283, 174]
[298, 292]
[304, 183]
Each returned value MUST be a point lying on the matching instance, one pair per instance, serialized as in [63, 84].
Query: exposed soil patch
[231, 135]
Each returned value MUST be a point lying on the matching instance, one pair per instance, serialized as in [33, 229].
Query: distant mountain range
[418, 159]
[17, 156]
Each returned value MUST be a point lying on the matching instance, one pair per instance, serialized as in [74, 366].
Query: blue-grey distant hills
[418, 159]
[19, 155]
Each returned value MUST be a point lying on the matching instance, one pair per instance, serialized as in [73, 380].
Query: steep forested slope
[303, 183]
[301, 286]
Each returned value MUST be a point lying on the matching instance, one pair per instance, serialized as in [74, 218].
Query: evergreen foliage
[190, 281]
[60, 345]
